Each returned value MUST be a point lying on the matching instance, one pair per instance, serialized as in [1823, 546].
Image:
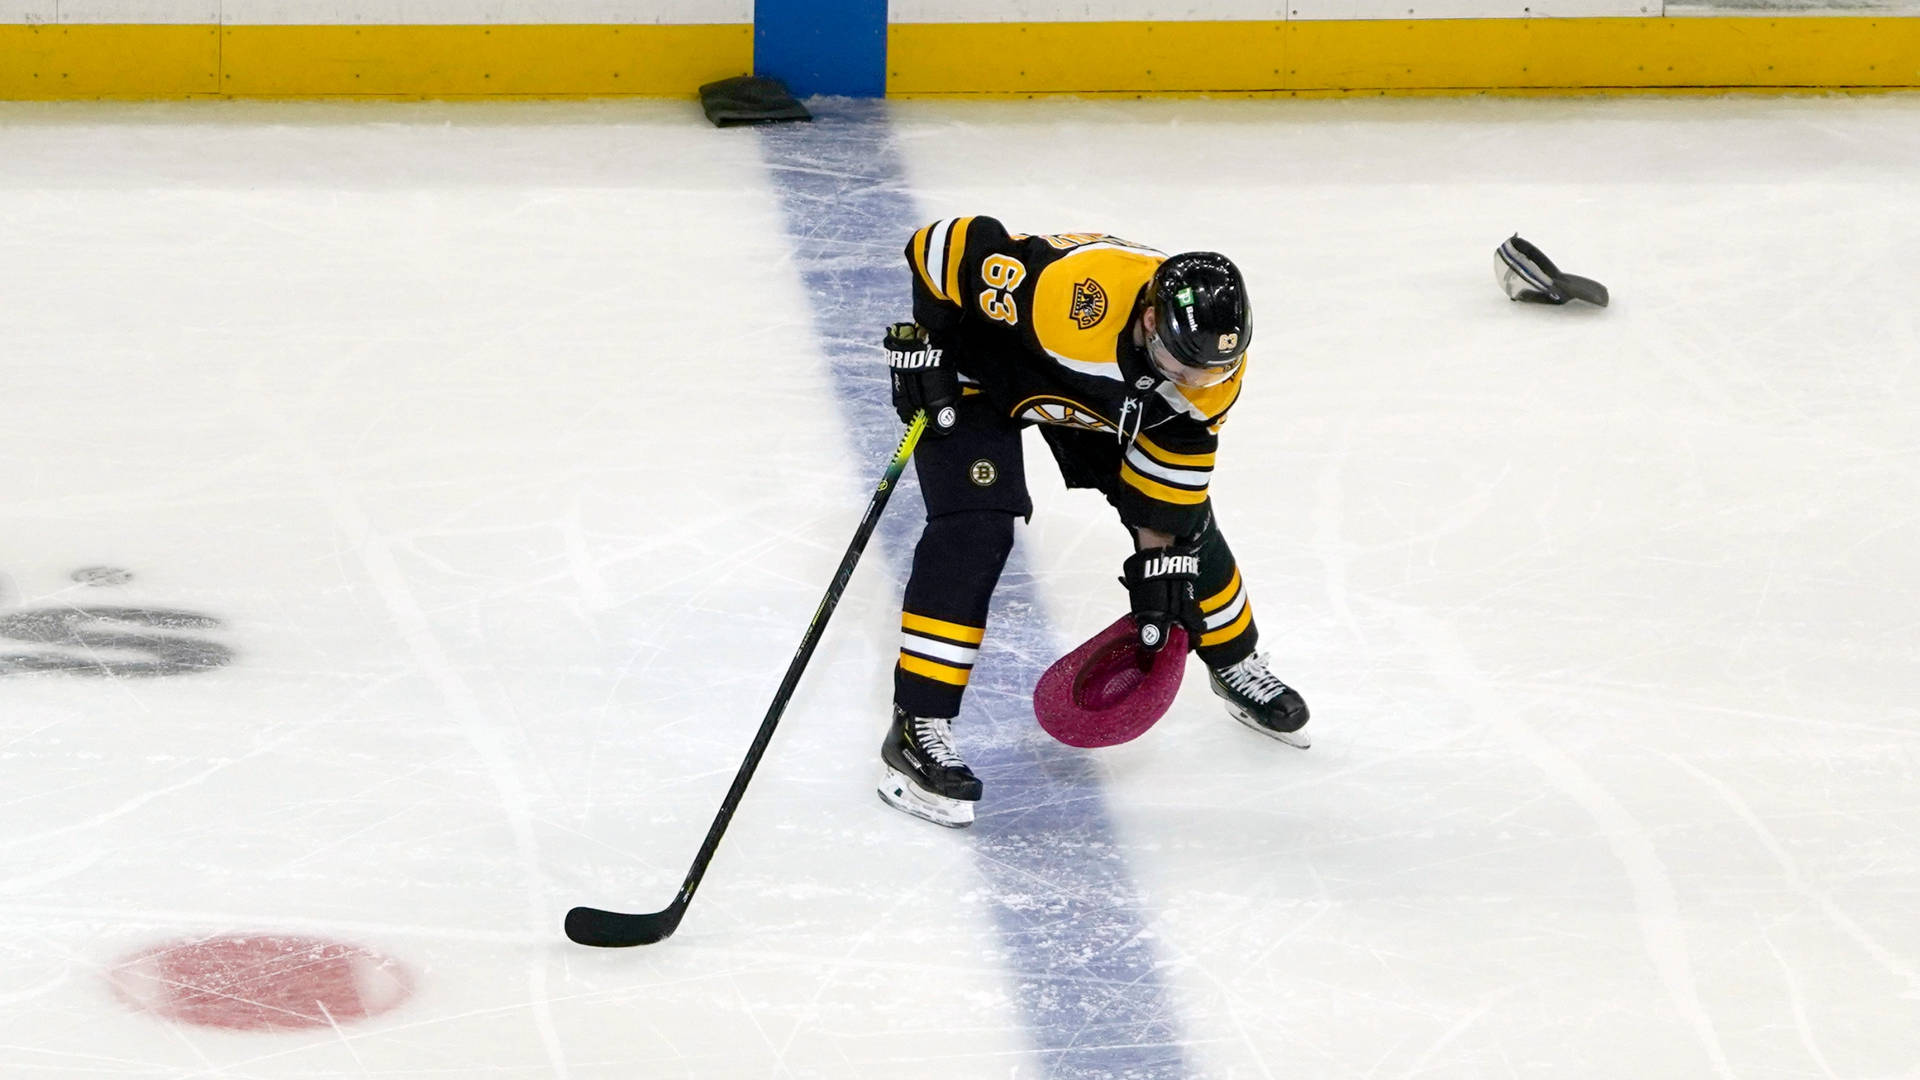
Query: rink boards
[126, 60]
[590, 48]
[1405, 55]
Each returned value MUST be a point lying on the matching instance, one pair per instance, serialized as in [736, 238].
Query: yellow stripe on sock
[1230, 631]
[934, 670]
[1220, 599]
[970, 635]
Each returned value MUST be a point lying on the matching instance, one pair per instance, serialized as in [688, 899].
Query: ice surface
[510, 447]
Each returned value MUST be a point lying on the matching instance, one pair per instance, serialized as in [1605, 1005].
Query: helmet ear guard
[1525, 273]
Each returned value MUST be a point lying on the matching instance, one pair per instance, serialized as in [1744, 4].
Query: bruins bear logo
[1089, 304]
[1046, 409]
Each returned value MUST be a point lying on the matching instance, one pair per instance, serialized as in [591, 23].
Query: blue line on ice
[1071, 922]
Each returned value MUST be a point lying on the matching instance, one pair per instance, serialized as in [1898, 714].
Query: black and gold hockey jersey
[1041, 325]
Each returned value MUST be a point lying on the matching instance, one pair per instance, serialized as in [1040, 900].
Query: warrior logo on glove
[918, 358]
[1171, 566]
[1159, 585]
[922, 380]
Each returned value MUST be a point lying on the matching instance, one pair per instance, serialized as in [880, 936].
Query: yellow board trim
[1305, 57]
[448, 61]
[171, 61]
[1230, 631]
[971, 635]
[1403, 55]
[1219, 600]
[938, 672]
[1154, 489]
[39, 63]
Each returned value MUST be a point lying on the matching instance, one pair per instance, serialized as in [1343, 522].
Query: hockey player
[1129, 361]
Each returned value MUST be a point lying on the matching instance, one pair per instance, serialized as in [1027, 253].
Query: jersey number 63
[1002, 275]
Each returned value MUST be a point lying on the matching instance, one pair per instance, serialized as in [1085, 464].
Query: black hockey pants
[975, 484]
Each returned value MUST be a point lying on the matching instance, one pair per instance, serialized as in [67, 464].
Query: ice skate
[1257, 698]
[924, 775]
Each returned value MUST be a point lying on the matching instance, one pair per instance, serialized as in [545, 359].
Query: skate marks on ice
[1072, 933]
[1686, 890]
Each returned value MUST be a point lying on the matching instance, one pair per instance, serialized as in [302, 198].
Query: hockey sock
[1230, 635]
[944, 617]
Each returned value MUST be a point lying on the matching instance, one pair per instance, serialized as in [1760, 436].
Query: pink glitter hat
[1100, 695]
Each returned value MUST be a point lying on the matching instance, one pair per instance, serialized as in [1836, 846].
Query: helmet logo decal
[1228, 342]
[1089, 304]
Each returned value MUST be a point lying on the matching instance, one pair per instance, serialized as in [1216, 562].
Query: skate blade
[1297, 737]
[899, 791]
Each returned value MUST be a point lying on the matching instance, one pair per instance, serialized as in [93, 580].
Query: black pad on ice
[748, 99]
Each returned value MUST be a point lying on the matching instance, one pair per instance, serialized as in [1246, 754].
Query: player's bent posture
[1130, 360]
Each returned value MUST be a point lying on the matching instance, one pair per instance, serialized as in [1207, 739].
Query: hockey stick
[615, 930]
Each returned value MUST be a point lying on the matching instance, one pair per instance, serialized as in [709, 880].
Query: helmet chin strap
[1133, 407]
[1133, 410]
[1147, 339]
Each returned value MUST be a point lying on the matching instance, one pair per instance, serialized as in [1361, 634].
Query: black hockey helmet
[1200, 309]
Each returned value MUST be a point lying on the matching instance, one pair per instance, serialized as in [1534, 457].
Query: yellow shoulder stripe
[920, 261]
[1082, 300]
[956, 251]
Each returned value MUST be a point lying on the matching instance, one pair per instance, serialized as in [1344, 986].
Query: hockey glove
[1159, 585]
[922, 379]
[1526, 273]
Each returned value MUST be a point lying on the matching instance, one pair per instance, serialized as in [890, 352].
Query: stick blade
[619, 930]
